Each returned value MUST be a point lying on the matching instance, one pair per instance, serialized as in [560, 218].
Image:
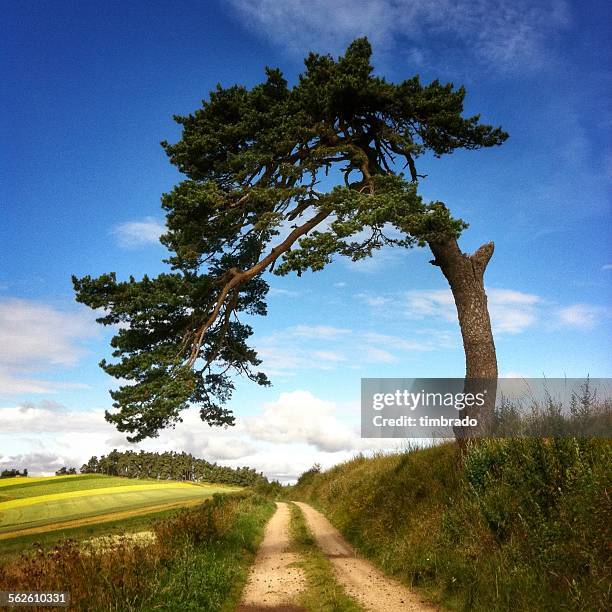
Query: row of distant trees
[63, 471]
[169, 466]
[12, 473]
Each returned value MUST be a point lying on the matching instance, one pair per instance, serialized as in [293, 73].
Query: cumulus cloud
[47, 434]
[283, 439]
[301, 417]
[44, 463]
[48, 417]
[134, 234]
[505, 34]
[37, 337]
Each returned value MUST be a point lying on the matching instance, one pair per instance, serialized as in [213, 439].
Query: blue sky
[89, 91]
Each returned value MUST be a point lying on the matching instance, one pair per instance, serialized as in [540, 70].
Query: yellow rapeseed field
[38, 499]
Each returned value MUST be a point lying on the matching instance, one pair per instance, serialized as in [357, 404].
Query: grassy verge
[198, 562]
[524, 525]
[211, 572]
[30, 544]
[323, 594]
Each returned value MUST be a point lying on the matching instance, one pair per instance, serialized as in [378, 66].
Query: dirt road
[273, 584]
[360, 579]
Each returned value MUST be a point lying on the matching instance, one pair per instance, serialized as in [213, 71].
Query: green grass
[47, 504]
[29, 544]
[211, 575]
[523, 525]
[198, 561]
[323, 593]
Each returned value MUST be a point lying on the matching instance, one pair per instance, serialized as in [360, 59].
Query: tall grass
[198, 562]
[522, 524]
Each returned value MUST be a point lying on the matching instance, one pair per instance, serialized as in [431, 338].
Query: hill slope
[523, 526]
[37, 505]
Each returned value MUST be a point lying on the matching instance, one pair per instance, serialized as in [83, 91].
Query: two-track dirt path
[273, 584]
[359, 578]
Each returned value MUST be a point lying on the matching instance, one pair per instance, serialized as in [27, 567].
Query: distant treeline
[169, 466]
[11, 473]
[63, 471]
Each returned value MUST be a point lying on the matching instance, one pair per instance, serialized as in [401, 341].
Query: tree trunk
[465, 275]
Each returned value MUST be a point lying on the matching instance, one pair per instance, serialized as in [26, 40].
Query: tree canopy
[278, 178]
[169, 466]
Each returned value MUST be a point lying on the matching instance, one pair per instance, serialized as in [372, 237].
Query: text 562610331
[34, 598]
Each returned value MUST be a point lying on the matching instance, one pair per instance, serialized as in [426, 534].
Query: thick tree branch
[237, 277]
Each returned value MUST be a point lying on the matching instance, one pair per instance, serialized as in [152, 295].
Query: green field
[38, 505]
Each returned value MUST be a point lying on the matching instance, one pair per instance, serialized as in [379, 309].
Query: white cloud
[277, 292]
[321, 347]
[301, 417]
[220, 448]
[299, 348]
[285, 438]
[582, 316]
[379, 262]
[506, 34]
[395, 342]
[511, 311]
[32, 333]
[375, 301]
[431, 303]
[37, 337]
[318, 331]
[378, 355]
[329, 356]
[38, 463]
[133, 234]
[13, 384]
[49, 416]
[47, 434]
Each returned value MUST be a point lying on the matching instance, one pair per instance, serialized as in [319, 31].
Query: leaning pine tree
[252, 202]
